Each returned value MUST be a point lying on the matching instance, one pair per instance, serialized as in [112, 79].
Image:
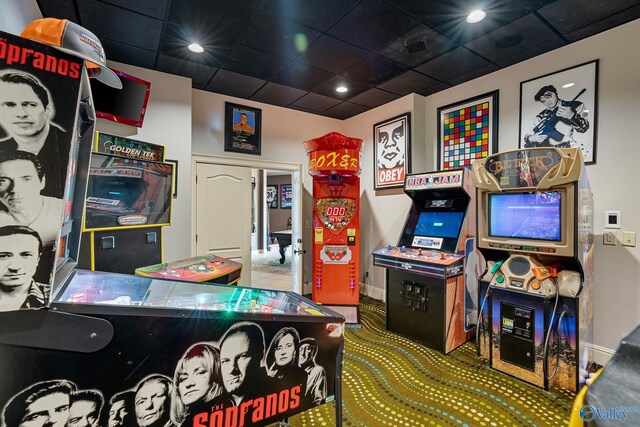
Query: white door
[223, 214]
[296, 233]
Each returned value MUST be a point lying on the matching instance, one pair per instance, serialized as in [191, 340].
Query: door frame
[248, 163]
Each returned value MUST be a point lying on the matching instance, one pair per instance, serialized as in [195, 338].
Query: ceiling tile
[373, 70]
[316, 14]
[539, 49]
[328, 88]
[154, 8]
[345, 110]
[273, 93]
[604, 24]
[234, 84]
[217, 23]
[330, 54]
[427, 44]
[130, 28]
[520, 35]
[417, 9]
[245, 60]
[474, 74]
[374, 98]
[407, 83]
[200, 74]
[275, 34]
[371, 24]
[133, 55]
[315, 102]
[434, 89]
[569, 15]
[451, 64]
[61, 9]
[301, 76]
[450, 19]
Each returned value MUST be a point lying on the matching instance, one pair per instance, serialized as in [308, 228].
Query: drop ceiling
[294, 53]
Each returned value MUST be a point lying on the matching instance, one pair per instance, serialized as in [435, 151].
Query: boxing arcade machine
[425, 284]
[334, 164]
[535, 228]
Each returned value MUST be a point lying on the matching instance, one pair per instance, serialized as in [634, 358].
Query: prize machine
[121, 337]
[535, 228]
[426, 293]
[334, 164]
[128, 202]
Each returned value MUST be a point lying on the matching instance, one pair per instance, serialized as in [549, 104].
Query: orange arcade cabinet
[334, 164]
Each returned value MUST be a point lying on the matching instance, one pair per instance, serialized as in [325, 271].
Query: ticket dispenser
[535, 228]
[334, 164]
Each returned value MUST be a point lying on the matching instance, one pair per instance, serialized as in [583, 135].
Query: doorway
[219, 207]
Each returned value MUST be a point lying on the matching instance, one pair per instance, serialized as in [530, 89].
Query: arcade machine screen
[531, 216]
[127, 192]
[439, 224]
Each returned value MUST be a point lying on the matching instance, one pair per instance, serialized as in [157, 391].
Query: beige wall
[167, 122]
[278, 217]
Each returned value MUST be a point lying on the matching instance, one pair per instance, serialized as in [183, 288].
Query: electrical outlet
[609, 238]
[629, 238]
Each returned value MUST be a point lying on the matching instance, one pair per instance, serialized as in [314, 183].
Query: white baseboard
[601, 355]
[372, 291]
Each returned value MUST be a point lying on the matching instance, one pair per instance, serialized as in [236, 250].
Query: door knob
[299, 251]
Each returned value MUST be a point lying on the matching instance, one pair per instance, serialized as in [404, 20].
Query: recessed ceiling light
[568, 85]
[195, 47]
[476, 16]
[341, 89]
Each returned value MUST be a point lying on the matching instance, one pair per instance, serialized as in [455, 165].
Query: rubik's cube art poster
[467, 131]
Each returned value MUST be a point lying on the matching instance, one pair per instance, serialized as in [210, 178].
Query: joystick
[403, 249]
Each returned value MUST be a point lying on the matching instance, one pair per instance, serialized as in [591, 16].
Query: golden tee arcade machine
[334, 164]
[535, 228]
[425, 290]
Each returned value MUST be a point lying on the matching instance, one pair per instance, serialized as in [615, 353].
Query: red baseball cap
[75, 40]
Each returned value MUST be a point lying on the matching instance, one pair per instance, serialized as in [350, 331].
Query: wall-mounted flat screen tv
[127, 105]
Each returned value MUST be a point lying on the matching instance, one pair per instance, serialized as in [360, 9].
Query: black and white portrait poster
[39, 94]
[560, 110]
[391, 142]
[247, 373]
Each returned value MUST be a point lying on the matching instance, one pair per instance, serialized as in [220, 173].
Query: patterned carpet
[391, 381]
[269, 261]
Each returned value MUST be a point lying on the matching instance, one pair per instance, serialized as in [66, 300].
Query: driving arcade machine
[334, 164]
[535, 228]
[426, 295]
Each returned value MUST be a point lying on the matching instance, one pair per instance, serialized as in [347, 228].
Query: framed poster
[242, 128]
[560, 110]
[286, 196]
[467, 130]
[272, 196]
[391, 142]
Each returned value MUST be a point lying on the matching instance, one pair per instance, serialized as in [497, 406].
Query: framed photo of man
[242, 128]
[467, 130]
[560, 110]
[391, 142]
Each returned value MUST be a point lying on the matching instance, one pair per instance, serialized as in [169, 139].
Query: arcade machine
[128, 202]
[207, 268]
[124, 336]
[334, 164]
[535, 228]
[425, 286]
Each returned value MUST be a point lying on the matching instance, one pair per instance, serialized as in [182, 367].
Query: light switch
[629, 238]
[609, 238]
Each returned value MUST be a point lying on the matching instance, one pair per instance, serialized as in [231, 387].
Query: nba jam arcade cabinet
[425, 292]
[535, 228]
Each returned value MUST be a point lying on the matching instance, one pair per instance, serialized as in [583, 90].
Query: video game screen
[532, 216]
[439, 224]
[125, 192]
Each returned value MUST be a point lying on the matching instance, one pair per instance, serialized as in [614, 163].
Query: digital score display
[335, 214]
